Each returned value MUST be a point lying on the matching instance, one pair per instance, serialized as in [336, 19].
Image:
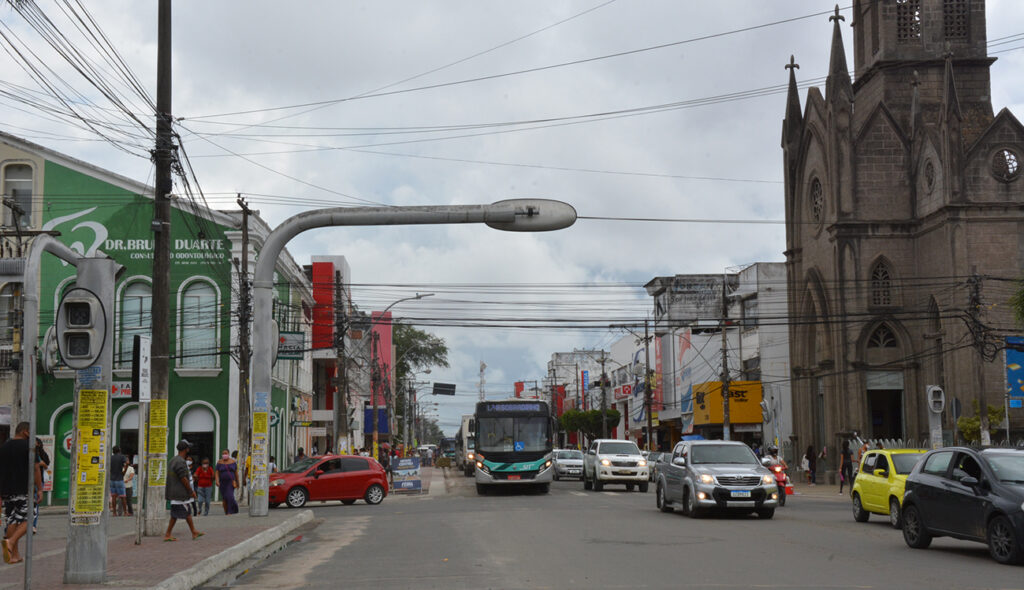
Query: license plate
[574, 471]
[514, 477]
[741, 493]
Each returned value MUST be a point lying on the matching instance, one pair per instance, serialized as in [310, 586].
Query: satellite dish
[49, 353]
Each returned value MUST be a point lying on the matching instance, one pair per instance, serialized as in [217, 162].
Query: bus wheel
[481, 489]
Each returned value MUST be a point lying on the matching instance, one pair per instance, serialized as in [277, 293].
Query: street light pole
[512, 215]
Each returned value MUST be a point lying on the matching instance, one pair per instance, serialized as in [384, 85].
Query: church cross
[792, 65]
[836, 17]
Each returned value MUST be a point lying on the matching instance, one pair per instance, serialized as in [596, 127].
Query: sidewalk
[821, 490]
[156, 564]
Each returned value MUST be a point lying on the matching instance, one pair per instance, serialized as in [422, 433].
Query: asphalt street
[611, 539]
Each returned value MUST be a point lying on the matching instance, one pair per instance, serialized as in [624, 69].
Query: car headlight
[469, 456]
[276, 482]
[548, 464]
[705, 478]
[767, 479]
[641, 463]
[605, 462]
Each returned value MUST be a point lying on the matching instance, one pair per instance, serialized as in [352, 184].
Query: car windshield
[562, 455]
[722, 454]
[527, 433]
[619, 448]
[905, 462]
[299, 466]
[1008, 468]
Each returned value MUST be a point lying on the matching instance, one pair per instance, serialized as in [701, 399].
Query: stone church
[904, 225]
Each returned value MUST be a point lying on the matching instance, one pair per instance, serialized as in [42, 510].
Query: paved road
[612, 539]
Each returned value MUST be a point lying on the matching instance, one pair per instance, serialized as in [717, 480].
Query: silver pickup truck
[712, 474]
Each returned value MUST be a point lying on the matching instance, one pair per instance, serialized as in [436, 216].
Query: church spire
[950, 98]
[838, 82]
[792, 127]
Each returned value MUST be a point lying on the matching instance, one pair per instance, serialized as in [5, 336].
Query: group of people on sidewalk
[847, 463]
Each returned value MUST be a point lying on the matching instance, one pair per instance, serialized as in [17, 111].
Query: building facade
[96, 211]
[904, 210]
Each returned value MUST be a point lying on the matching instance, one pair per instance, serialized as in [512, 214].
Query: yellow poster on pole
[91, 450]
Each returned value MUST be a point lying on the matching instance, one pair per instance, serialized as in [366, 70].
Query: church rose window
[817, 200]
[1005, 165]
[908, 20]
[929, 176]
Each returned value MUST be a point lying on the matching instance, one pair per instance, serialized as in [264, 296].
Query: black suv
[968, 494]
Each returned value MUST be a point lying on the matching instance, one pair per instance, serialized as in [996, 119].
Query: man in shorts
[14, 475]
[178, 491]
[118, 499]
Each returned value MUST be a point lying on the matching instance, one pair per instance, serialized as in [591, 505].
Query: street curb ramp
[210, 567]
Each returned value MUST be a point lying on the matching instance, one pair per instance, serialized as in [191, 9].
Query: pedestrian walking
[227, 481]
[118, 503]
[204, 476]
[273, 464]
[811, 462]
[129, 486]
[14, 474]
[300, 455]
[845, 467]
[178, 491]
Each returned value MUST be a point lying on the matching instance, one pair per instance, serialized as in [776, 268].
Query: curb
[232, 556]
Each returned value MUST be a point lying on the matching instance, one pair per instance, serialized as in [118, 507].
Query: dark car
[330, 477]
[968, 494]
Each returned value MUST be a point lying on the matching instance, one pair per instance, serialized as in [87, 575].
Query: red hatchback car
[330, 477]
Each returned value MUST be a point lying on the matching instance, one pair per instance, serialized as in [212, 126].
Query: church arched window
[881, 284]
[882, 337]
[908, 20]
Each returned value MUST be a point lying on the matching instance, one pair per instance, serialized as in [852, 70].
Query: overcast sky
[715, 160]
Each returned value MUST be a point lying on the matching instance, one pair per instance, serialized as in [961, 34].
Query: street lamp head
[422, 295]
[533, 215]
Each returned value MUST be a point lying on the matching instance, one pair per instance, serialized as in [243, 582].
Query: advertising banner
[48, 441]
[1015, 367]
[406, 475]
[744, 402]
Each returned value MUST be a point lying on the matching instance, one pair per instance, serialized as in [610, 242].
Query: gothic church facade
[904, 224]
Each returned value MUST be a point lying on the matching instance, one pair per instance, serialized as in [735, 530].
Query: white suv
[614, 461]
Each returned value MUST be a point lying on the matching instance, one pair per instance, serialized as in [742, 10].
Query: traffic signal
[81, 328]
[936, 399]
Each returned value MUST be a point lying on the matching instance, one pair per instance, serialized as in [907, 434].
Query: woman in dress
[227, 478]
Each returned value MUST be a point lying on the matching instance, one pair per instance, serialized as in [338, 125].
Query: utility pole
[648, 389]
[483, 367]
[155, 419]
[341, 387]
[974, 309]
[725, 364]
[244, 346]
[604, 399]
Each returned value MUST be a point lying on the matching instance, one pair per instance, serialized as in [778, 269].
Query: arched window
[198, 315]
[881, 284]
[882, 337]
[136, 318]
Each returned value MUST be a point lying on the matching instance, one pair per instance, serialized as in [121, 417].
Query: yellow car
[880, 481]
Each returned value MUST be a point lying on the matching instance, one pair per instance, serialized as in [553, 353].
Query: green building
[98, 211]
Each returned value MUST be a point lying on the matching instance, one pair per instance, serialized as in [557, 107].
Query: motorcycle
[781, 478]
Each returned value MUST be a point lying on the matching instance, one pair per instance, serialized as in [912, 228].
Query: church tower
[903, 192]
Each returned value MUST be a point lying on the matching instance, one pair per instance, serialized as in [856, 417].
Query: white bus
[465, 459]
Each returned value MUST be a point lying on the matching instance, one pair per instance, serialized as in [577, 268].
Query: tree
[588, 422]
[416, 350]
[970, 426]
[1017, 303]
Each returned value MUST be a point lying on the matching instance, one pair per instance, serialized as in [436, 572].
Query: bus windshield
[508, 434]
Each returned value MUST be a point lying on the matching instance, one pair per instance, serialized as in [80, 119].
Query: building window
[136, 318]
[749, 321]
[18, 192]
[752, 369]
[198, 317]
[929, 176]
[955, 22]
[908, 20]
[817, 200]
[1005, 165]
[881, 285]
[882, 337]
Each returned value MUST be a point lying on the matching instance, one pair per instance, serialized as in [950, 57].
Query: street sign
[121, 390]
[141, 389]
[291, 346]
[444, 389]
